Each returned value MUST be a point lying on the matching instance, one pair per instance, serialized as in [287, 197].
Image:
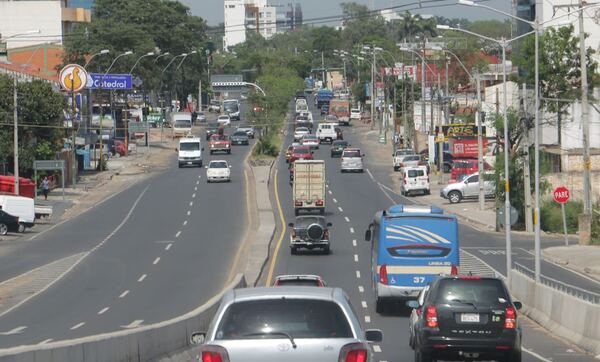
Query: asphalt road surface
[352, 200]
[156, 251]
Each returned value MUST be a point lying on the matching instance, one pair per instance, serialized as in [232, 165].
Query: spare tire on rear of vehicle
[315, 231]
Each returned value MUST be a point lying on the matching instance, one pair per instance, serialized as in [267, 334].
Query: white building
[17, 22]
[248, 15]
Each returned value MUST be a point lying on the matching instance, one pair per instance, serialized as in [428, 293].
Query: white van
[190, 151]
[414, 179]
[326, 132]
[181, 123]
[22, 207]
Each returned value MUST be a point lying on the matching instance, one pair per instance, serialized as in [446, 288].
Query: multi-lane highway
[157, 250]
[352, 199]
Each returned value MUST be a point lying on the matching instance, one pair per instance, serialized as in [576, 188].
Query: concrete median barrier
[145, 343]
[564, 315]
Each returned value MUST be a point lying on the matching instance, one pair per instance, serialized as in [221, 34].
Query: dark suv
[467, 317]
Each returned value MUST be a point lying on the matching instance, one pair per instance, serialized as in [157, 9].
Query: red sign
[466, 147]
[561, 194]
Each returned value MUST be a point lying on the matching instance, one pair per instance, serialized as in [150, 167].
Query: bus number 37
[418, 280]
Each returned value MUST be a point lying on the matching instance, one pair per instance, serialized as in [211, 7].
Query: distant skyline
[212, 10]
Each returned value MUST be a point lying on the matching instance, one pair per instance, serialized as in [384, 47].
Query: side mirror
[518, 305]
[412, 304]
[198, 338]
[329, 224]
[205, 166]
[374, 335]
[291, 224]
[229, 166]
[368, 235]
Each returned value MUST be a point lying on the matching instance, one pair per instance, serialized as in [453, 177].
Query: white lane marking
[341, 210]
[189, 212]
[168, 246]
[136, 323]
[361, 289]
[376, 348]
[562, 267]
[124, 294]
[197, 182]
[327, 185]
[352, 230]
[535, 355]
[191, 203]
[185, 223]
[178, 233]
[330, 193]
[78, 325]
[17, 330]
[358, 274]
[371, 175]
[367, 319]
[141, 279]
[354, 242]
[199, 176]
[364, 304]
[195, 188]
[356, 258]
[346, 218]
[46, 341]
[156, 260]
[335, 200]
[194, 195]
[103, 310]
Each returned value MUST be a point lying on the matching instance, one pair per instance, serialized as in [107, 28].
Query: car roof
[348, 149]
[211, 161]
[189, 140]
[292, 292]
[298, 277]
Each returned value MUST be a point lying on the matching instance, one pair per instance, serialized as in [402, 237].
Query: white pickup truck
[309, 186]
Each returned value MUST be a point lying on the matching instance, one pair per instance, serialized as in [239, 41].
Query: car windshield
[353, 153]
[464, 164]
[339, 144]
[240, 133]
[304, 222]
[298, 282]
[488, 291]
[181, 123]
[272, 319]
[302, 150]
[224, 117]
[301, 129]
[310, 138]
[218, 137]
[416, 173]
[218, 164]
[244, 127]
[189, 146]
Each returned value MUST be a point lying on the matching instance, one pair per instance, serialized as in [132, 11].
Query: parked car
[248, 129]
[355, 114]
[218, 170]
[299, 132]
[8, 223]
[468, 188]
[352, 160]
[212, 128]
[304, 323]
[240, 138]
[462, 168]
[406, 161]
[311, 141]
[467, 317]
[338, 147]
[224, 120]
[301, 153]
[21, 207]
[448, 159]
[305, 280]
[414, 179]
[309, 232]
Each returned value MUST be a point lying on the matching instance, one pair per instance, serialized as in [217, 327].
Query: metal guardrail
[572, 290]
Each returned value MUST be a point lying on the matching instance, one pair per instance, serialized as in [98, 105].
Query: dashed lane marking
[46, 341]
[168, 246]
[367, 319]
[361, 289]
[195, 188]
[191, 203]
[185, 223]
[136, 323]
[346, 218]
[364, 304]
[351, 230]
[377, 348]
[78, 325]
[178, 233]
[358, 274]
[330, 193]
[354, 242]
[335, 200]
[356, 258]
[124, 294]
[341, 210]
[194, 195]
[141, 279]
[156, 260]
[197, 182]
[17, 330]
[189, 213]
[103, 310]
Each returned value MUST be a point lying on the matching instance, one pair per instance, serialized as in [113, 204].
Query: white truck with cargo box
[309, 186]
[21, 207]
[181, 123]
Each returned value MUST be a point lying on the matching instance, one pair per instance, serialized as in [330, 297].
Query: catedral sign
[460, 130]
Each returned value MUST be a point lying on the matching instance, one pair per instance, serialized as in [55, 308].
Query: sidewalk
[583, 259]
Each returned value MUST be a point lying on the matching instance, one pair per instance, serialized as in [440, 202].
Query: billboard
[109, 81]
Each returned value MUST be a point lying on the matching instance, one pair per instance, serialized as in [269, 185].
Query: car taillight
[383, 276]
[319, 203]
[454, 270]
[510, 320]
[298, 203]
[354, 352]
[214, 354]
[431, 317]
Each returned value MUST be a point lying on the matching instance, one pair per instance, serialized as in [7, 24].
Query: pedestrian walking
[45, 187]
[396, 139]
[401, 140]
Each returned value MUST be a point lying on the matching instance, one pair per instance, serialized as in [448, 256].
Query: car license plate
[189, 162]
[469, 318]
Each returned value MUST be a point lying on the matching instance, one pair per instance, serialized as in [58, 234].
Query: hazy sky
[212, 10]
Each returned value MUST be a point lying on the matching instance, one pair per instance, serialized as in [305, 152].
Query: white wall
[18, 17]
[268, 22]
[571, 130]
[235, 18]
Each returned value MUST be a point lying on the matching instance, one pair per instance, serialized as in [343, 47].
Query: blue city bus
[410, 246]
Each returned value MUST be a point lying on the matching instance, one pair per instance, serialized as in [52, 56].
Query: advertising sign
[109, 82]
[460, 130]
[466, 148]
[73, 78]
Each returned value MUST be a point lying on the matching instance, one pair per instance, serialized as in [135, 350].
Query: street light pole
[16, 138]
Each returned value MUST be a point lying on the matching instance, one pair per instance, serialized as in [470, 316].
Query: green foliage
[267, 145]
[551, 216]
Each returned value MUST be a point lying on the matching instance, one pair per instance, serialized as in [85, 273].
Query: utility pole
[526, 170]
[423, 127]
[373, 90]
[479, 144]
[447, 93]
[441, 144]
[200, 95]
[585, 219]
[323, 68]
[16, 137]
